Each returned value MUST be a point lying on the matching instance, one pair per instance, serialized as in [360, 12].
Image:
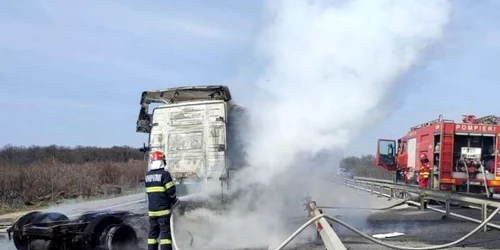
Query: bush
[364, 166]
[42, 175]
[39, 183]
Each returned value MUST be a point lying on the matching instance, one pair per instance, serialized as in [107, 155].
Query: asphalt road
[420, 228]
[208, 229]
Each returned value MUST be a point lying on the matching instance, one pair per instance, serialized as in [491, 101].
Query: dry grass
[40, 184]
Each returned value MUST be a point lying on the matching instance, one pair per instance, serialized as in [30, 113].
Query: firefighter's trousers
[423, 182]
[159, 226]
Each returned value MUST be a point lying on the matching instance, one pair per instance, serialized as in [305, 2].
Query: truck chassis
[94, 230]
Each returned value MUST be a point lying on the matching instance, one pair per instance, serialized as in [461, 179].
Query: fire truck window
[386, 151]
[387, 148]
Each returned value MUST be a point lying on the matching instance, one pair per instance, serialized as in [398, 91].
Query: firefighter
[424, 172]
[161, 198]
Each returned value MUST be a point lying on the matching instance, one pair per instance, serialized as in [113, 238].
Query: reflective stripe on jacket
[425, 174]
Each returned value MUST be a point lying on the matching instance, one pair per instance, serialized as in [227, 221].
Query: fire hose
[485, 182]
[346, 225]
[368, 237]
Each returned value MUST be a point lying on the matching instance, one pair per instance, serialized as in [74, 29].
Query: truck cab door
[386, 154]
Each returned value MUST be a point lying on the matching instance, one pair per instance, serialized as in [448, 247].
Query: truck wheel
[121, 237]
[21, 242]
[97, 228]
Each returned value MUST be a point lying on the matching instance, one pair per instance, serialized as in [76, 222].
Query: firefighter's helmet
[157, 160]
[423, 158]
[157, 156]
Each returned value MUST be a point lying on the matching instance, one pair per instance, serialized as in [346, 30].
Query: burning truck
[202, 132]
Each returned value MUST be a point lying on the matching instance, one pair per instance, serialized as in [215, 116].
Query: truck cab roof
[185, 94]
[178, 95]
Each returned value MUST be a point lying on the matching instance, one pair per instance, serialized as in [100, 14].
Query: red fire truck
[463, 156]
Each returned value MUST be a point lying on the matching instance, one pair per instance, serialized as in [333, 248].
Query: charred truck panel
[200, 129]
[464, 156]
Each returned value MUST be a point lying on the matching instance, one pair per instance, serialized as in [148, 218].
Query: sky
[71, 72]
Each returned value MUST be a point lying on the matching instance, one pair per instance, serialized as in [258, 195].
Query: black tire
[20, 242]
[122, 237]
[97, 227]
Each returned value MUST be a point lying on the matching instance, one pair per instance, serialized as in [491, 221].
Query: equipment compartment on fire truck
[463, 155]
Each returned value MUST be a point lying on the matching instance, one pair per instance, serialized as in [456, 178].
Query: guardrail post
[392, 194]
[484, 215]
[448, 206]
[329, 237]
[423, 204]
[372, 188]
[381, 191]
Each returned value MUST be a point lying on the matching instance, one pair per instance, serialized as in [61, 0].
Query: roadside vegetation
[39, 176]
[364, 166]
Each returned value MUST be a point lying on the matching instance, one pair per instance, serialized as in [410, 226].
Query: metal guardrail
[380, 186]
[439, 195]
[372, 179]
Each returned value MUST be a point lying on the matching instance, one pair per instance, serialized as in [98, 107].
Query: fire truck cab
[464, 156]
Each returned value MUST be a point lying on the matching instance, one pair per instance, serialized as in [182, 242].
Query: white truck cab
[200, 130]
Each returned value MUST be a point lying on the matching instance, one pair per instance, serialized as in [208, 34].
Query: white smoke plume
[331, 67]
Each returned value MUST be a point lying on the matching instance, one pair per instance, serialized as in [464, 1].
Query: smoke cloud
[330, 68]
